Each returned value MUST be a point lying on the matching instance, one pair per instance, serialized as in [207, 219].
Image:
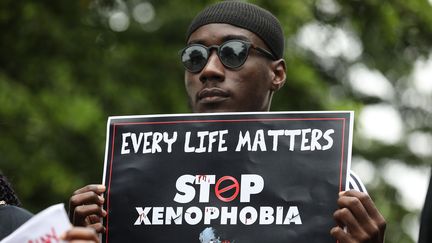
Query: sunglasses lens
[194, 58]
[233, 53]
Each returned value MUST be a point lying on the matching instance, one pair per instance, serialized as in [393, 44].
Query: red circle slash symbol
[219, 191]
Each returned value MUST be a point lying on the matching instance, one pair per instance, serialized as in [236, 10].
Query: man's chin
[213, 108]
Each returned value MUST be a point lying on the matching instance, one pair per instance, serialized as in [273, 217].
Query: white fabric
[355, 183]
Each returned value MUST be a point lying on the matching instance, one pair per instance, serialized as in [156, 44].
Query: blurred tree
[65, 66]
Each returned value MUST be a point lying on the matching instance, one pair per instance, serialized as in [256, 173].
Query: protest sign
[232, 177]
[46, 226]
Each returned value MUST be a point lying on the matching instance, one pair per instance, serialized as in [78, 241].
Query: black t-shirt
[12, 217]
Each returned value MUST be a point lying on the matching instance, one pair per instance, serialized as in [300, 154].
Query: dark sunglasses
[232, 54]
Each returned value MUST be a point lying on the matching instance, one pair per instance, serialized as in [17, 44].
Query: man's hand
[80, 235]
[85, 207]
[362, 220]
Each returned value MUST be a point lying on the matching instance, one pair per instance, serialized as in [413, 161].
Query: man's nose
[214, 70]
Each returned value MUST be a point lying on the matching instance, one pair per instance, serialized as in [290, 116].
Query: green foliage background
[63, 71]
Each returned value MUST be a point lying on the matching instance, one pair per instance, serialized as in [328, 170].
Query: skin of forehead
[213, 34]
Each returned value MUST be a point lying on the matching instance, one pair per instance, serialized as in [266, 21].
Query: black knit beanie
[247, 16]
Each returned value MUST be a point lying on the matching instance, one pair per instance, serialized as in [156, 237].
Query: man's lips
[212, 95]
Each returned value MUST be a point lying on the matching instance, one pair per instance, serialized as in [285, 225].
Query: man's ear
[278, 74]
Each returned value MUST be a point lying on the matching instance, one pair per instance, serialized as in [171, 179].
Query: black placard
[232, 177]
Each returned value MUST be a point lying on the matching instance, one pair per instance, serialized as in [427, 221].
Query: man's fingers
[345, 216]
[90, 194]
[84, 211]
[93, 219]
[81, 241]
[97, 188]
[362, 219]
[86, 198]
[357, 208]
[339, 234]
[368, 205]
[80, 234]
[98, 227]
[366, 201]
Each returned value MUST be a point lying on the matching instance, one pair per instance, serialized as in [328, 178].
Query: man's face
[217, 88]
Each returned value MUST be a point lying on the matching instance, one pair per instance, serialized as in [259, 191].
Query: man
[234, 62]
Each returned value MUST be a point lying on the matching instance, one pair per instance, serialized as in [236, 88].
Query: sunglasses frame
[209, 49]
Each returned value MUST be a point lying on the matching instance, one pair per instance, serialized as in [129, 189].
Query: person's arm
[80, 235]
[358, 219]
[85, 207]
